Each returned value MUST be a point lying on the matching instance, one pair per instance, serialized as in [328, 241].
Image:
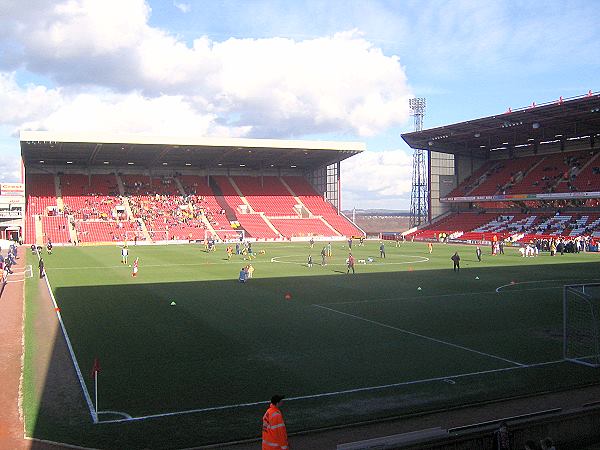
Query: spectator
[531, 445]
[547, 444]
[502, 437]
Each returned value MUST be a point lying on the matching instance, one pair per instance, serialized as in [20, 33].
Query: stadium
[404, 353]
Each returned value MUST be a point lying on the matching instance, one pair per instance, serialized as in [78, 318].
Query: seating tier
[256, 226]
[266, 194]
[319, 207]
[301, 227]
[56, 228]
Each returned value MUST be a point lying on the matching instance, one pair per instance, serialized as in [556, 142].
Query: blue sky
[335, 70]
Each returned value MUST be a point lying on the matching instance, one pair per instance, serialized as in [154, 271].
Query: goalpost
[581, 316]
[159, 235]
[225, 235]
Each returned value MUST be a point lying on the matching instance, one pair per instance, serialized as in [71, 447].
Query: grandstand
[105, 189]
[530, 174]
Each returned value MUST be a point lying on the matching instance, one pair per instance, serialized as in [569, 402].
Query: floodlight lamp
[535, 125]
[477, 135]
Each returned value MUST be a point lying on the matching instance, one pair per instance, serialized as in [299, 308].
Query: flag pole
[96, 388]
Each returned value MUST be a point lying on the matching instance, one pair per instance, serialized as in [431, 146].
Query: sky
[303, 69]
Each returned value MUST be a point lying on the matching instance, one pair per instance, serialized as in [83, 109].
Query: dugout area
[343, 348]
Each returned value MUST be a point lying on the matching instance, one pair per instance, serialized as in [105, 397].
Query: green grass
[395, 349]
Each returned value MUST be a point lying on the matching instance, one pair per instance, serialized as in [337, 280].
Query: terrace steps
[39, 232]
[335, 232]
[220, 198]
[59, 201]
[179, 185]
[71, 228]
[296, 198]
[242, 196]
[270, 224]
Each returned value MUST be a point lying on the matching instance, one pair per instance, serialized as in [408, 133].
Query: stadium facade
[91, 188]
[527, 173]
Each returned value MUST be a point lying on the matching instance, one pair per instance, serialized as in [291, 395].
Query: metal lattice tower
[418, 199]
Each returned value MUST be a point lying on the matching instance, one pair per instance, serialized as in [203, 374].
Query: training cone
[173, 303]
[287, 296]
[477, 278]
[419, 288]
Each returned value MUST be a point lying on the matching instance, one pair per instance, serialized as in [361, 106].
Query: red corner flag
[95, 367]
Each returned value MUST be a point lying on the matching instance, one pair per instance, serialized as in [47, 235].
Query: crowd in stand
[559, 245]
[163, 207]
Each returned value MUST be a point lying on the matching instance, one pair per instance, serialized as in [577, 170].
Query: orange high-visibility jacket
[274, 434]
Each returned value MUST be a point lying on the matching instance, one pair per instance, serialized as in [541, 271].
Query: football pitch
[185, 345]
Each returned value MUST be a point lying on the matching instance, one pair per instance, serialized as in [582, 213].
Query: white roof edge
[105, 138]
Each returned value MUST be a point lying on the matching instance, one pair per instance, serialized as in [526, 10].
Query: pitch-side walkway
[11, 351]
[329, 439]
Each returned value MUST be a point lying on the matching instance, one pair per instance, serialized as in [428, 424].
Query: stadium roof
[555, 122]
[42, 149]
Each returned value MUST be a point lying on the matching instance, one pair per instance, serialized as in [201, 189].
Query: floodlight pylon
[419, 205]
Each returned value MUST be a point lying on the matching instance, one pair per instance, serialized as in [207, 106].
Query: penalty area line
[422, 336]
[499, 288]
[445, 379]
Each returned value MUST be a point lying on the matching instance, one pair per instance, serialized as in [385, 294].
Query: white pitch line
[423, 259]
[86, 394]
[543, 281]
[155, 265]
[417, 297]
[254, 261]
[422, 336]
[116, 413]
[335, 393]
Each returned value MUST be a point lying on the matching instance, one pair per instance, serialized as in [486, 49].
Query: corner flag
[95, 370]
[96, 367]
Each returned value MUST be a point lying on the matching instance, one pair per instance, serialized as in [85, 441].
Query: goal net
[225, 235]
[581, 314]
[133, 236]
[159, 235]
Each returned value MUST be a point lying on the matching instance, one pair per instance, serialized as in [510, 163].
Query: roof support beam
[93, 154]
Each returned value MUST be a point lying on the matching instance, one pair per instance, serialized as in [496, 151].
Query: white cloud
[377, 180]
[19, 104]
[10, 168]
[183, 7]
[132, 113]
[276, 86]
[115, 72]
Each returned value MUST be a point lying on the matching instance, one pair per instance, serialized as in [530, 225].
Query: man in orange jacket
[274, 434]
